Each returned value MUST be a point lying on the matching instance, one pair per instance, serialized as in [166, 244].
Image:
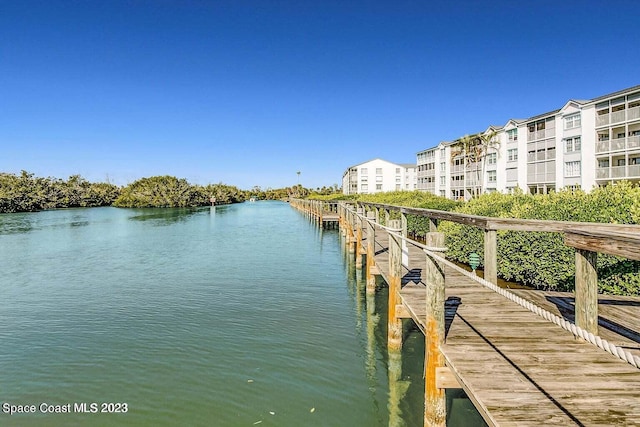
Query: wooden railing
[588, 239]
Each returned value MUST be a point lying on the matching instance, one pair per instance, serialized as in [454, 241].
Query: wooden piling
[358, 248]
[394, 330]
[371, 239]
[435, 412]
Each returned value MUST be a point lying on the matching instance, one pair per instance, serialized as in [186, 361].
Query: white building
[377, 175]
[585, 143]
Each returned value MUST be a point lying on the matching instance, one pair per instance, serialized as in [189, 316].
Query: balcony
[618, 172]
[618, 144]
[617, 116]
[602, 119]
[541, 134]
[632, 113]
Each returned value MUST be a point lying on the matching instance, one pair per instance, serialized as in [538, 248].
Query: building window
[572, 121]
[572, 144]
[364, 187]
[378, 178]
[512, 135]
[572, 169]
[378, 171]
[443, 193]
[397, 170]
[443, 180]
[492, 158]
[443, 166]
[363, 171]
[378, 186]
[512, 154]
[491, 176]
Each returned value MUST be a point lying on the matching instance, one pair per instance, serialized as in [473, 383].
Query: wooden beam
[445, 378]
[625, 244]
[375, 270]
[402, 312]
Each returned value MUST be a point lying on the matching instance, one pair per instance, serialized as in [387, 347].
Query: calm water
[228, 316]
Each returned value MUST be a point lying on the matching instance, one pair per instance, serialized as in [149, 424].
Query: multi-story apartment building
[585, 143]
[377, 175]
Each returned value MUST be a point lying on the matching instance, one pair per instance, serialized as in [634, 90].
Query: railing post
[358, 249]
[491, 256]
[350, 237]
[403, 219]
[405, 248]
[433, 225]
[371, 241]
[435, 412]
[394, 330]
[586, 306]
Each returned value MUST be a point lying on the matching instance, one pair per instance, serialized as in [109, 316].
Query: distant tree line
[169, 191]
[28, 193]
[297, 191]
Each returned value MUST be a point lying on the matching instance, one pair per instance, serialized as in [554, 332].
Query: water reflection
[15, 223]
[164, 216]
[399, 373]
[25, 222]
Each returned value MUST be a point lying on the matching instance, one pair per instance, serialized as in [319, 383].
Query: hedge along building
[585, 143]
[377, 175]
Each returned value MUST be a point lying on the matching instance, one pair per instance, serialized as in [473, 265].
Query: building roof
[539, 116]
[618, 93]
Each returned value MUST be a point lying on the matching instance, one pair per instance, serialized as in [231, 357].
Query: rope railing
[545, 314]
[577, 331]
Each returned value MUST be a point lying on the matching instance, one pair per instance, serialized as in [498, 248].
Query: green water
[228, 316]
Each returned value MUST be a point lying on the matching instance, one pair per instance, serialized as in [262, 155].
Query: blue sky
[250, 92]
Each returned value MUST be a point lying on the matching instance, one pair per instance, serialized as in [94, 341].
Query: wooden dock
[324, 214]
[518, 368]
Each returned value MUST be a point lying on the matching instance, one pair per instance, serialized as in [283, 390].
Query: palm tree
[474, 150]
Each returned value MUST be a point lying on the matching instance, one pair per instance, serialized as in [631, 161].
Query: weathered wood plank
[624, 244]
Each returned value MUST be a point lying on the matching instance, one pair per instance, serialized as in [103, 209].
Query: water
[229, 316]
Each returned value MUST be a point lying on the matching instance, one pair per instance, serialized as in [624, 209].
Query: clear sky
[250, 92]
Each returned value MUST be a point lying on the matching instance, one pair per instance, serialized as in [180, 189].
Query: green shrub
[541, 259]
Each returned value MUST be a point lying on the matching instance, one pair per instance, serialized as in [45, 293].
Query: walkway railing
[588, 239]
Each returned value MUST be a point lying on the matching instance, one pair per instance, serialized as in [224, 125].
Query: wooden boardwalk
[518, 368]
